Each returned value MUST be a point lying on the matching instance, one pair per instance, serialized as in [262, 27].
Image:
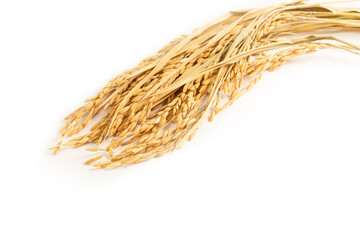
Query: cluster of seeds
[157, 106]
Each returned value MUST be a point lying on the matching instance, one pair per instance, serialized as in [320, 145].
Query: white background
[282, 162]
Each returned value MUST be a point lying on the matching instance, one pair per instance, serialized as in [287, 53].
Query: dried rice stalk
[155, 107]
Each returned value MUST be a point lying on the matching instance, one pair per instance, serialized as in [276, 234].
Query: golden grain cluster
[157, 106]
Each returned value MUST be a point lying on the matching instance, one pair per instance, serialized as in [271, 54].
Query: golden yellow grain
[94, 159]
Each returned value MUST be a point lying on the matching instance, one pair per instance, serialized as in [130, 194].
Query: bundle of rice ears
[157, 106]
